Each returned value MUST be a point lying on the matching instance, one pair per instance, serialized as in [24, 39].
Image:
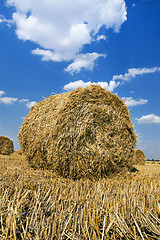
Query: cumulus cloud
[86, 61]
[27, 102]
[8, 100]
[149, 119]
[133, 72]
[109, 86]
[73, 85]
[62, 28]
[47, 55]
[11, 100]
[30, 104]
[130, 102]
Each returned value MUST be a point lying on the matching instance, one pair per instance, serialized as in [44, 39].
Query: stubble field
[36, 204]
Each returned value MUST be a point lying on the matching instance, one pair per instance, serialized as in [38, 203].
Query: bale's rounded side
[84, 133]
[6, 146]
[139, 157]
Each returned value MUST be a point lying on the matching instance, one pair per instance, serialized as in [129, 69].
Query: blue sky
[49, 47]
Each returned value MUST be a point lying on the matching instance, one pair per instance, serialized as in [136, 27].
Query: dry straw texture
[84, 133]
[139, 157]
[37, 205]
[17, 153]
[6, 146]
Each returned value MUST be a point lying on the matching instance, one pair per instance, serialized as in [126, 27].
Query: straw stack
[6, 146]
[17, 153]
[139, 157]
[84, 133]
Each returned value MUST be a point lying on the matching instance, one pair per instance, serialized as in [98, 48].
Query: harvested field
[83, 133]
[37, 204]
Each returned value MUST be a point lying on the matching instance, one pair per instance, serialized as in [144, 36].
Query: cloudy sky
[53, 46]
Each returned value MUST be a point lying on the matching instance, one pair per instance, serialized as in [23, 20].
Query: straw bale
[18, 152]
[6, 146]
[139, 157]
[83, 133]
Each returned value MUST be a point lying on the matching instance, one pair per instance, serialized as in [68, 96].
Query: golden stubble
[37, 204]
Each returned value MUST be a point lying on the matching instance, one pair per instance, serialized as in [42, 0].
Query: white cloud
[1, 93]
[109, 86]
[86, 61]
[4, 20]
[149, 119]
[27, 102]
[133, 72]
[47, 55]
[73, 85]
[31, 104]
[62, 28]
[101, 37]
[130, 102]
[23, 100]
[11, 100]
[8, 100]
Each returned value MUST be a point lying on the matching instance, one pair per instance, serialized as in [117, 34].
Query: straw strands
[6, 146]
[17, 153]
[84, 133]
[35, 204]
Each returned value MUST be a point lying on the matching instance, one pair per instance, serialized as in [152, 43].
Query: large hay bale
[84, 133]
[6, 146]
[139, 157]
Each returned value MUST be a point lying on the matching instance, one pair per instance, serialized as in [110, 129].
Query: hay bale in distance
[17, 153]
[139, 157]
[83, 133]
[6, 146]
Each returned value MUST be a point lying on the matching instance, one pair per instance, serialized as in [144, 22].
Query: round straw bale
[6, 146]
[138, 157]
[17, 153]
[83, 133]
